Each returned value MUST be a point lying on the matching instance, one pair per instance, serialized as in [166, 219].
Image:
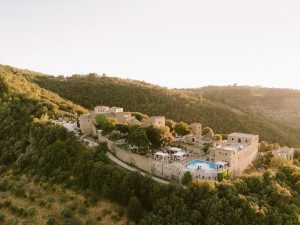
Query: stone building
[284, 152]
[87, 125]
[196, 129]
[238, 151]
[157, 121]
[101, 109]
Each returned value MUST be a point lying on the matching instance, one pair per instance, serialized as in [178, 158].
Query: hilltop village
[188, 150]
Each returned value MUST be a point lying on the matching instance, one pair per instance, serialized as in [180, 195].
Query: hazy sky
[174, 43]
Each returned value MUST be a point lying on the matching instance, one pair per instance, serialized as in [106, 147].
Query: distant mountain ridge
[209, 105]
[282, 105]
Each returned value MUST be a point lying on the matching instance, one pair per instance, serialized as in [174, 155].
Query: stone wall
[142, 162]
[174, 171]
[139, 161]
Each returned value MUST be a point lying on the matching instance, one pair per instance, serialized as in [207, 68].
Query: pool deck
[209, 170]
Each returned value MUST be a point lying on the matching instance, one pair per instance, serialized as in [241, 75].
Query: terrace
[172, 154]
[232, 146]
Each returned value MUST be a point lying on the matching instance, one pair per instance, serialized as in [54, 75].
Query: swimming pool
[201, 164]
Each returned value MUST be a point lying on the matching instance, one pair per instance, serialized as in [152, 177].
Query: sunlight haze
[171, 43]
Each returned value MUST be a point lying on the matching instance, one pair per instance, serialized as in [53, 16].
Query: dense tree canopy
[48, 152]
[182, 128]
[159, 136]
[208, 131]
[139, 116]
[216, 109]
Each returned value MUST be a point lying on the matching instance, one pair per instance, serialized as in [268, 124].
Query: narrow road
[130, 168]
[122, 164]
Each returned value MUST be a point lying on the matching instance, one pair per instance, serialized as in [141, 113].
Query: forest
[31, 146]
[281, 105]
[179, 105]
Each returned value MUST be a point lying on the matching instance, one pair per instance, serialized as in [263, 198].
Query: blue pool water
[202, 164]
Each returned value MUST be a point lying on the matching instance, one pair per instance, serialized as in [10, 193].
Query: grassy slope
[46, 199]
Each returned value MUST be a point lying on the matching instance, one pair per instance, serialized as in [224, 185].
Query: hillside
[15, 84]
[24, 200]
[282, 105]
[38, 159]
[30, 145]
[180, 105]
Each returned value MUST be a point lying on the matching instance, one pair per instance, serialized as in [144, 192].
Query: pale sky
[174, 43]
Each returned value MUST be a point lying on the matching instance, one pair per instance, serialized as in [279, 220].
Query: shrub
[187, 178]
[42, 203]
[2, 217]
[73, 205]
[51, 220]
[69, 221]
[2, 169]
[62, 198]
[115, 218]
[66, 213]
[82, 210]
[106, 212]
[135, 211]
[31, 212]
[89, 222]
[121, 212]
[7, 204]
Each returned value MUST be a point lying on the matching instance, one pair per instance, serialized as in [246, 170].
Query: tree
[109, 125]
[100, 120]
[278, 162]
[159, 136]
[171, 124]
[122, 128]
[265, 159]
[137, 136]
[208, 132]
[135, 210]
[206, 147]
[187, 178]
[263, 146]
[182, 128]
[218, 137]
[139, 116]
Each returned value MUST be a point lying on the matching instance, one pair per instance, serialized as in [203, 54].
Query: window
[239, 140]
[232, 139]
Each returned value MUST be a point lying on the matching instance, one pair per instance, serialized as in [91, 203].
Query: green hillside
[38, 159]
[16, 84]
[282, 105]
[180, 105]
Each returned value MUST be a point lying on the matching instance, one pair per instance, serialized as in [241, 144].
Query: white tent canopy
[162, 154]
[179, 154]
[175, 149]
